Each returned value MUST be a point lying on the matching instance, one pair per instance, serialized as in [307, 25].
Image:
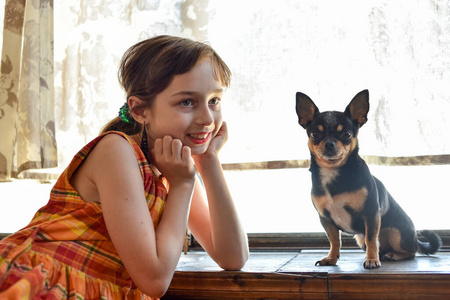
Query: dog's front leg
[372, 233]
[334, 237]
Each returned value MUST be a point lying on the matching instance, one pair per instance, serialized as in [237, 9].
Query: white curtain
[330, 50]
[27, 127]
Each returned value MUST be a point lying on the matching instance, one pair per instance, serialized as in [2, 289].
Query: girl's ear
[139, 111]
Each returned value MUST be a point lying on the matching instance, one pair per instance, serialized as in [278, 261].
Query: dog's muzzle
[330, 148]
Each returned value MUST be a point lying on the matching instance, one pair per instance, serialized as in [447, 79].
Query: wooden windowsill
[293, 275]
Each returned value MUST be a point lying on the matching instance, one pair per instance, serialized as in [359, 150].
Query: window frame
[297, 241]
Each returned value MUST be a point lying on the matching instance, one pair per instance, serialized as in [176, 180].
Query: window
[329, 50]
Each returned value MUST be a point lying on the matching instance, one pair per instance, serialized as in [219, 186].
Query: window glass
[329, 50]
[279, 200]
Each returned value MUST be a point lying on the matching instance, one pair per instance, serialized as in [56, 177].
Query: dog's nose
[330, 145]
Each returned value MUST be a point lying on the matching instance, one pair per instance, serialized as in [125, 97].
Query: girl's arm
[215, 223]
[150, 256]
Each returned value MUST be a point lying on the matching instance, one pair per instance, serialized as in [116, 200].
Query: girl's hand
[173, 160]
[220, 139]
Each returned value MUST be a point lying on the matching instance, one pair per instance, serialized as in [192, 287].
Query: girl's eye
[186, 103]
[214, 101]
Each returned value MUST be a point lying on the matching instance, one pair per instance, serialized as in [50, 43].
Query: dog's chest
[338, 207]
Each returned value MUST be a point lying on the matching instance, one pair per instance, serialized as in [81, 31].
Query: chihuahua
[346, 195]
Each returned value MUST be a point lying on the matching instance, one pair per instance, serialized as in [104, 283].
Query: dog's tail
[432, 246]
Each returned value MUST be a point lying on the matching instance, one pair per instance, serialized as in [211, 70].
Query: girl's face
[189, 109]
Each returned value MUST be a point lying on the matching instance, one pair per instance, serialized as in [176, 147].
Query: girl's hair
[149, 66]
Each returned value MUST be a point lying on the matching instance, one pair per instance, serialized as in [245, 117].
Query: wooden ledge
[293, 275]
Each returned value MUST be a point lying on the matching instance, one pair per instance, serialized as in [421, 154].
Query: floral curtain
[27, 126]
[87, 91]
[330, 50]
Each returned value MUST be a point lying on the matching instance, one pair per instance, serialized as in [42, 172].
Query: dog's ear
[358, 108]
[306, 109]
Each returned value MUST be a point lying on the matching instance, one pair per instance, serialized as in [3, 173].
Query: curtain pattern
[400, 53]
[86, 85]
[27, 124]
[329, 50]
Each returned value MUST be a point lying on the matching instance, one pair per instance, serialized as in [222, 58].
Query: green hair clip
[124, 114]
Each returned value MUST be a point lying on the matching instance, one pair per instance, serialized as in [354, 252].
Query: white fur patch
[336, 206]
[328, 175]
[340, 216]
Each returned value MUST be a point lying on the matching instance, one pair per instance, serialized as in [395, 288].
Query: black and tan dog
[345, 194]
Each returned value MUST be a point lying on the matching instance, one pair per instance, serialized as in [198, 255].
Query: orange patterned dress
[66, 252]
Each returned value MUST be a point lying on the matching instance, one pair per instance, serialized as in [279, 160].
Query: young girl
[116, 221]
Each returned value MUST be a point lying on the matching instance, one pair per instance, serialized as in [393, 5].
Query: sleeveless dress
[66, 252]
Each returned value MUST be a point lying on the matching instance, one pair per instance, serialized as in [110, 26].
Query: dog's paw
[371, 263]
[327, 261]
[396, 256]
[389, 257]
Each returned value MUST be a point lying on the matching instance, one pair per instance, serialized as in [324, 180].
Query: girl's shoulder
[113, 142]
[113, 138]
[105, 160]
[113, 149]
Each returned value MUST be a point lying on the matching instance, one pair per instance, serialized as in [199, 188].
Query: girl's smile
[199, 138]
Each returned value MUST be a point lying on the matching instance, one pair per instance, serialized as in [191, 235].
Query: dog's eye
[314, 135]
[346, 134]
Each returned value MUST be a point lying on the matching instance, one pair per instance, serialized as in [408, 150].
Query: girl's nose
[204, 115]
